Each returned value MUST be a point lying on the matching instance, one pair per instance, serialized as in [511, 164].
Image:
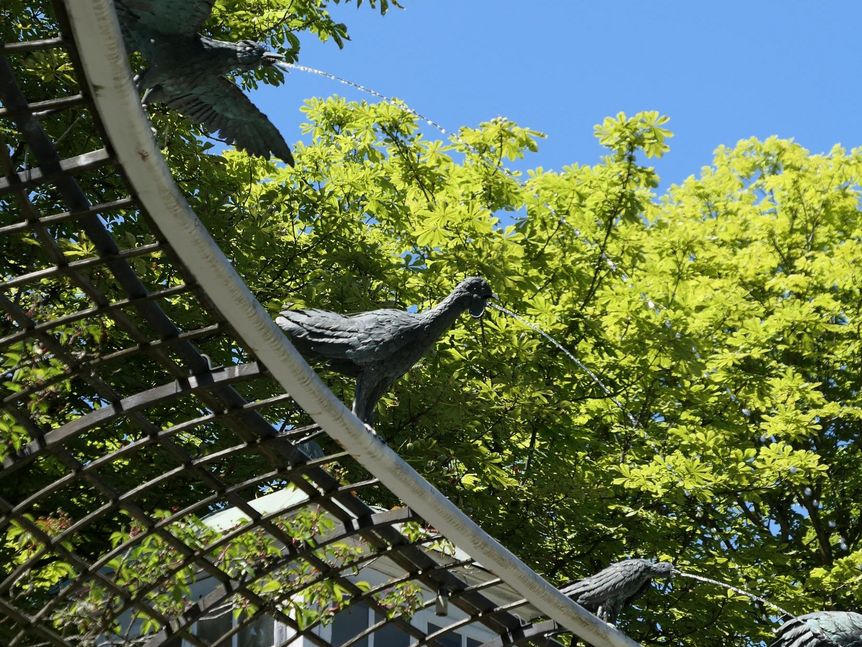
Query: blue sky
[722, 71]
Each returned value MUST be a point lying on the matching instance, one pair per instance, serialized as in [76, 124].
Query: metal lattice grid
[109, 401]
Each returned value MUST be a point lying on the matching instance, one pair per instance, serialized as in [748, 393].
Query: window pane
[447, 640]
[257, 634]
[390, 635]
[350, 622]
[472, 642]
[212, 629]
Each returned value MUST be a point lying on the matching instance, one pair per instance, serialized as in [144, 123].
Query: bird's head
[251, 53]
[478, 292]
[662, 569]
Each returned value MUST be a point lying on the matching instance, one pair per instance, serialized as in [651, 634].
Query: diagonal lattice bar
[140, 438]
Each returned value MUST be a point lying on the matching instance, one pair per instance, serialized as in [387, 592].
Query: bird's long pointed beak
[273, 57]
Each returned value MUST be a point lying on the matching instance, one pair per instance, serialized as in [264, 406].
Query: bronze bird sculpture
[186, 71]
[379, 346]
[821, 629]
[609, 590]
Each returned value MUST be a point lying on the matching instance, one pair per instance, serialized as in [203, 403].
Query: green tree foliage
[722, 314]
[719, 314]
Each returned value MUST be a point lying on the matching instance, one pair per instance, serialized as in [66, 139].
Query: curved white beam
[99, 44]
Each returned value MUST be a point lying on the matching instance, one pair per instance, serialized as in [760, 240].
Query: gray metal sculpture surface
[378, 347]
[186, 71]
[609, 590]
[822, 629]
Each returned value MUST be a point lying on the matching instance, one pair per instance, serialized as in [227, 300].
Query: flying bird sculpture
[379, 346]
[822, 629]
[186, 71]
[609, 590]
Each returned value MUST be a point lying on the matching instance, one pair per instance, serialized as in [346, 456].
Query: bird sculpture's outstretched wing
[220, 106]
[361, 338]
[621, 580]
[822, 629]
[168, 17]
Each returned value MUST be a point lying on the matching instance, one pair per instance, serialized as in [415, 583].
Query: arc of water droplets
[358, 86]
[571, 356]
[736, 589]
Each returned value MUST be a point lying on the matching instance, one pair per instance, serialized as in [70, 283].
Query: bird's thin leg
[611, 611]
[369, 388]
[377, 392]
[363, 406]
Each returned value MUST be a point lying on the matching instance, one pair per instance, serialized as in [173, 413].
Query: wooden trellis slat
[103, 208]
[49, 106]
[32, 45]
[73, 165]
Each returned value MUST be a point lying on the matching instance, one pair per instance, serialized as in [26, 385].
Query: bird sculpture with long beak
[612, 588]
[378, 347]
[186, 71]
[821, 629]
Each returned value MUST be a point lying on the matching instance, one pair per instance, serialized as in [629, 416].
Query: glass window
[472, 642]
[258, 633]
[350, 622]
[390, 635]
[213, 628]
[447, 640]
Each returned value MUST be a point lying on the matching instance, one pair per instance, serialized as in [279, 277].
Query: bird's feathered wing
[360, 338]
[822, 629]
[220, 106]
[617, 581]
[168, 17]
